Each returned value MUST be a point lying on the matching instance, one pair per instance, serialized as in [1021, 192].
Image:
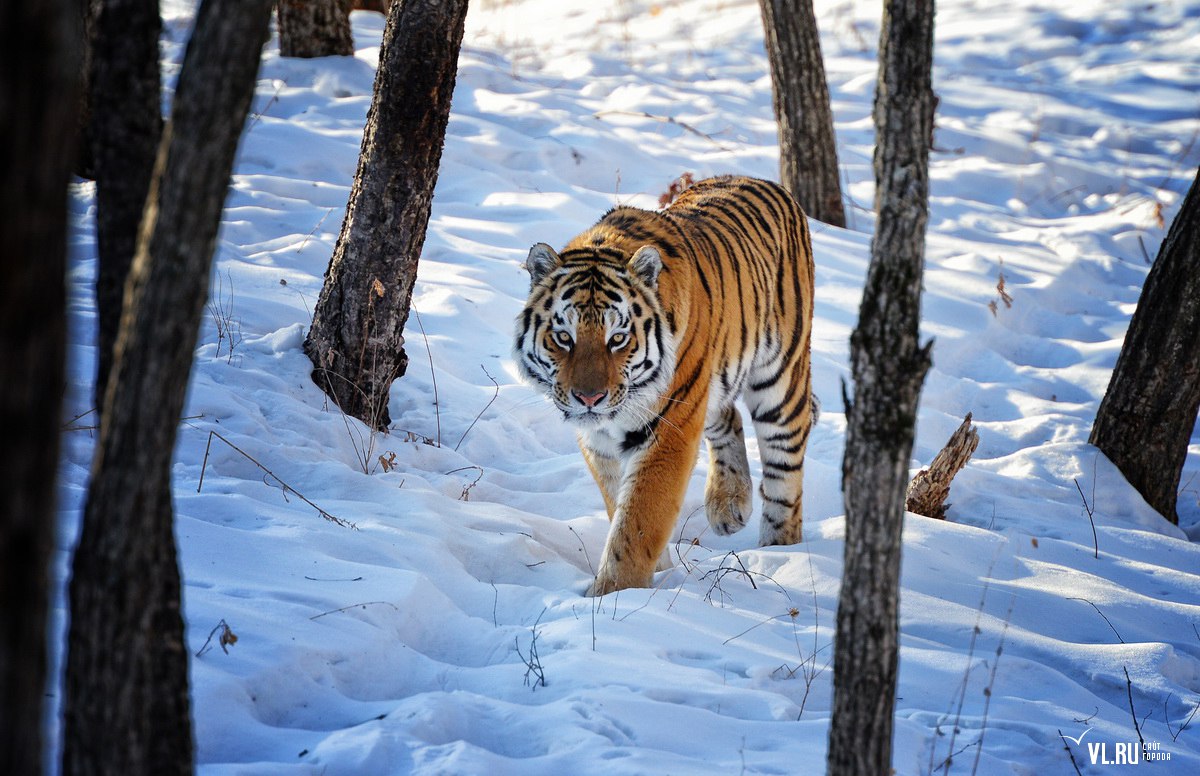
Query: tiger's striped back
[647, 327]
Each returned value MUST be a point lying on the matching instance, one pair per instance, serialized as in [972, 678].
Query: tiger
[644, 330]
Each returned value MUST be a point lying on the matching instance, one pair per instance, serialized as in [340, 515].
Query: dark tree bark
[888, 365]
[84, 166]
[314, 28]
[807, 147]
[39, 79]
[356, 342]
[126, 708]
[373, 5]
[1148, 413]
[126, 124]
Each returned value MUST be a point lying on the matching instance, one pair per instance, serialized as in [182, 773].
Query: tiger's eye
[618, 340]
[563, 338]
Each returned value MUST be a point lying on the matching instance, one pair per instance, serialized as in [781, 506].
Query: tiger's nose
[589, 399]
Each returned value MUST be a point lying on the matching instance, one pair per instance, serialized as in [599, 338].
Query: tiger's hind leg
[727, 493]
[782, 410]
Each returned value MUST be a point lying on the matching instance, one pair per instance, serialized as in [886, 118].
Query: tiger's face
[592, 334]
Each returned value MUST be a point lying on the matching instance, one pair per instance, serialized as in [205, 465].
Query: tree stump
[928, 490]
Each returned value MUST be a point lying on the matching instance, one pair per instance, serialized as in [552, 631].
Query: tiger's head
[593, 334]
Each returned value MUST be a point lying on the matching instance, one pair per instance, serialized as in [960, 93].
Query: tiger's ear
[542, 259]
[646, 264]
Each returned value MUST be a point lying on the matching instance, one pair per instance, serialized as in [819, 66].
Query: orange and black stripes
[645, 328]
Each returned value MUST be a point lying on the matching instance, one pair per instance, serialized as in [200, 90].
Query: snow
[416, 641]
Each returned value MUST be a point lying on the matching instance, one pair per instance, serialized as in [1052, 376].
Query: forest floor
[1050, 622]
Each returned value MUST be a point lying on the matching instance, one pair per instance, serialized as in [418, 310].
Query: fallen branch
[363, 605]
[641, 114]
[286, 488]
[927, 492]
[1097, 608]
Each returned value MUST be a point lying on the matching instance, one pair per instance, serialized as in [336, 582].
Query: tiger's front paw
[612, 578]
[601, 587]
[727, 506]
[726, 519]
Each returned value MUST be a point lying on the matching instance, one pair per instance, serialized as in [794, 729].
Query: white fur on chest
[604, 440]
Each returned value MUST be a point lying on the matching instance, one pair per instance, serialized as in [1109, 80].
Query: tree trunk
[1148, 413]
[126, 125]
[315, 28]
[888, 365]
[356, 342]
[39, 77]
[807, 148]
[126, 708]
[373, 5]
[84, 166]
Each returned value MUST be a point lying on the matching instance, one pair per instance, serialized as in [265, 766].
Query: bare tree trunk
[126, 708]
[315, 28]
[39, 78]
[1148, 413]
[889, 366]
[356, 342]
[373, 5]
[125, 128]
[84, 166]
[807, 147]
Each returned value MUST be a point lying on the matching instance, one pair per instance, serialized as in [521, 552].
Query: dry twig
[485, 407]
[664, 120]
[437, 409]
[1070, 754]
[227, 639]
[363, 605]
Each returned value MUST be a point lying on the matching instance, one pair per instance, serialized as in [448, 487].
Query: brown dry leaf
[377, 288]
[228, 638]
[1004, 295]
[677, 187]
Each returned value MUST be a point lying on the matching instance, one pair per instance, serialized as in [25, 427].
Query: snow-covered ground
[418, 641]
